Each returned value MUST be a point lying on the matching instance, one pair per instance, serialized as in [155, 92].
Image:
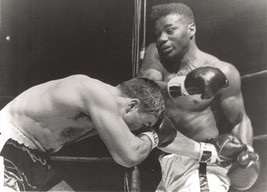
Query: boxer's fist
[228, 147]
[207, 81]
[166, 133]
[245, 170]
[224, 148]
[247, 158]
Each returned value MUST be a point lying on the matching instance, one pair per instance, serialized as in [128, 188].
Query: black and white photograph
[133, 95]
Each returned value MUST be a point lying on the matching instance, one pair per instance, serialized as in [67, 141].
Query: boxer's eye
[170, 31]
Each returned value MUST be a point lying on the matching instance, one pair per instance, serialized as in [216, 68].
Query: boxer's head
[146, 103]
[174, 29]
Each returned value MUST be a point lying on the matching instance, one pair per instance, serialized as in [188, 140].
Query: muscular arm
[151, 67]
[126, 148]
[182, 145]
[232, 105]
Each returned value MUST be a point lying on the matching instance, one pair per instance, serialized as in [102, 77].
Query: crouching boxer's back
[37, 122]
[47, 116]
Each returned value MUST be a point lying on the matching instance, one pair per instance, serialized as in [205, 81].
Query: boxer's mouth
[166, 50]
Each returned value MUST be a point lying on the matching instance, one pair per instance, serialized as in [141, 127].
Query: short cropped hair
[181, 9]
[147, 92]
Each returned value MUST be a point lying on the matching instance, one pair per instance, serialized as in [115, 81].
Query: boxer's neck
[186, 61]
[190, 61]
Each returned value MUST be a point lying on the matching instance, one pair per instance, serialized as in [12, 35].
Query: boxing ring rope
[109, 159]
[82, 159]
[253, 75]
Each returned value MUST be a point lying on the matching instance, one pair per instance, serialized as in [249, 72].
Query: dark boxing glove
[206, 81]
[228, 147]
[161, 134]
[224, 148]
[245, 170]
[166, 132]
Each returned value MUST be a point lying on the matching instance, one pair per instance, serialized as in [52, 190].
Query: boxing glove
[166, 132]
[224, 149]
[207, 81]
[228, 147]
[245, 170]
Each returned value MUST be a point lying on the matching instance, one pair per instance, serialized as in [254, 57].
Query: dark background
[51, 39]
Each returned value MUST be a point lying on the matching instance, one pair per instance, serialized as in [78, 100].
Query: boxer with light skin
[44, 118]
[191, 80]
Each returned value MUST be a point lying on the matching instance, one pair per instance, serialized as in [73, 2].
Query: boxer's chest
[193, 118]
[76, 128]
[189, 113]
[183, 70]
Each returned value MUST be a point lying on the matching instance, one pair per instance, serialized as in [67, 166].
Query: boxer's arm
[232, 105]
[172, 141]
[126, 148]
[151, 67]
[182, 145]
[242, 175]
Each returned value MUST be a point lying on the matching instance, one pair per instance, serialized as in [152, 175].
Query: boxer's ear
[191, 30]
[133, 104]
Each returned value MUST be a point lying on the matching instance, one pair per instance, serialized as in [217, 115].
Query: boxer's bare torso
[190, 115]
[54, 113]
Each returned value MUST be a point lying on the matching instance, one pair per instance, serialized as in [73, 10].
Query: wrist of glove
[208, 153]
[153, 137]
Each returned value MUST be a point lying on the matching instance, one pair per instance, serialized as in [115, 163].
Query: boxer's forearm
[244, 131]
[183, 145]
[163, 86]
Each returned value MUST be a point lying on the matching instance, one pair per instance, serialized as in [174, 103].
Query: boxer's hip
[180, 173]
[25, 169]
[9, 131]
[176, 169]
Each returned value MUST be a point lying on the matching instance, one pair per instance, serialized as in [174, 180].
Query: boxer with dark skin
[44, 118]
[170, 62]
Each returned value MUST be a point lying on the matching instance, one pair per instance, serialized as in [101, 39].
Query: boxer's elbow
[128, 160]
[132, 154]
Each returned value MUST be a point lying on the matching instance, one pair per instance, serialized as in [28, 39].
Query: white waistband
[9, 131]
